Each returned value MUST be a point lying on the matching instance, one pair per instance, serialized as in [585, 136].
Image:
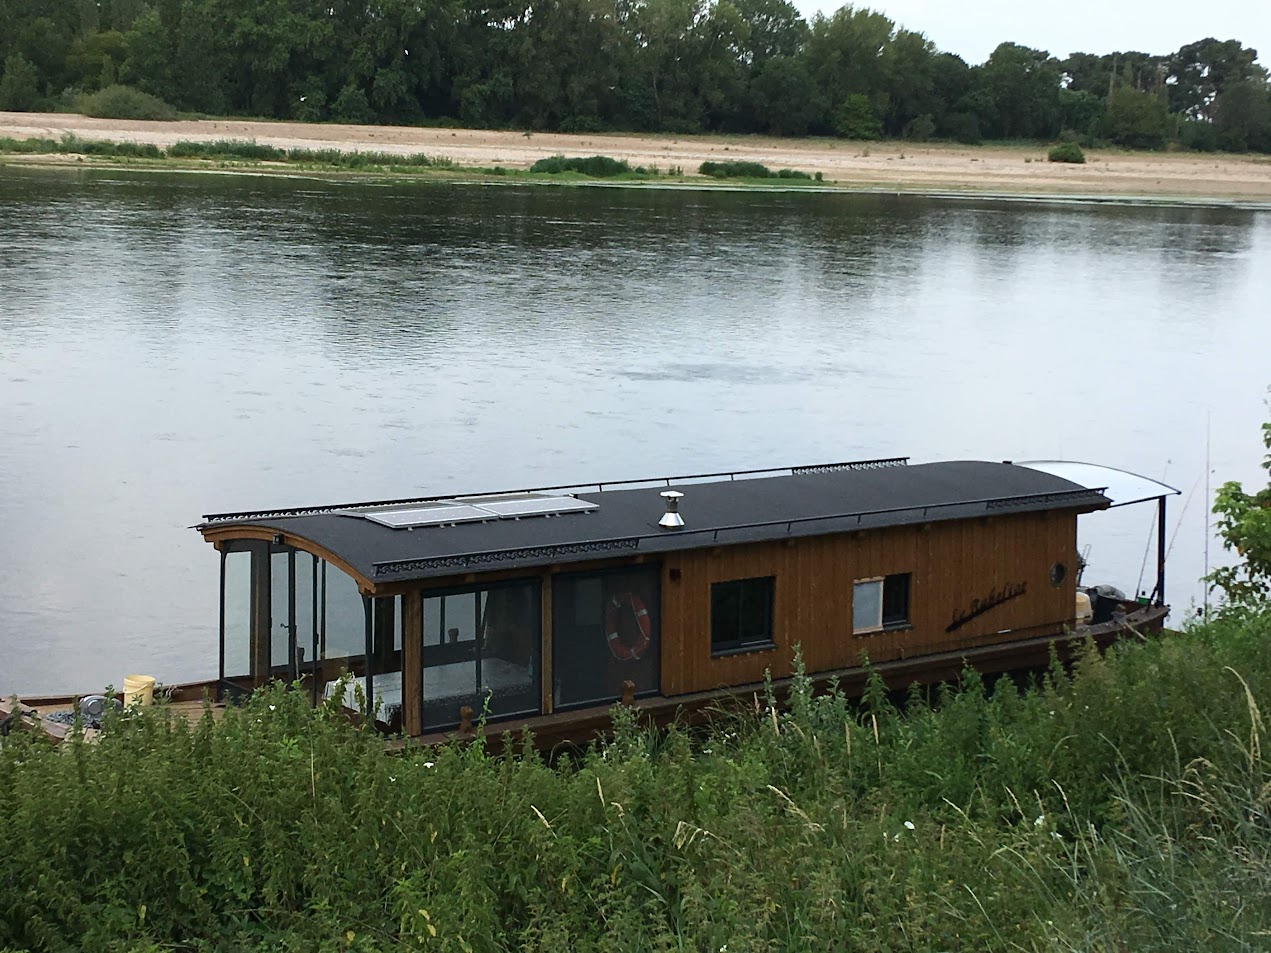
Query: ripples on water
[178, 344]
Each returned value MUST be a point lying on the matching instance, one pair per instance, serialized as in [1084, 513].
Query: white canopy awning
[1120, 486]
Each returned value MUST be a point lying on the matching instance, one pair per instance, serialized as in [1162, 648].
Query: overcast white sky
[972, 28]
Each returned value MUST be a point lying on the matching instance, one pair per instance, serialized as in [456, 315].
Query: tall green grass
[73, 145]
[224, 149]
[1123, 806]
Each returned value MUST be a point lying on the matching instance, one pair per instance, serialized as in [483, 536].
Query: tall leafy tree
[1139, 120]
[775, 28]
[1019, 90]
[664, 41]
[784, 101]
[569, 58]
[1242, 116]
[847, 53]
[1199, 72]
[908, 65]
[19, 84]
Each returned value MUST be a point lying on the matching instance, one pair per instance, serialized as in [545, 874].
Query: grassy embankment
[1124, 807]
[230, 154]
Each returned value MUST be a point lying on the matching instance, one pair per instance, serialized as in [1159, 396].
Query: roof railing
[460, 561]
[876, 464]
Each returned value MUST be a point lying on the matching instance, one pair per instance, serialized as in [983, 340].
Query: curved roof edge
[1120, 486]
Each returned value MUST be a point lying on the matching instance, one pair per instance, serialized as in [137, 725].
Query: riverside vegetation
[242, 151]
[1122, 805]
[673, 66]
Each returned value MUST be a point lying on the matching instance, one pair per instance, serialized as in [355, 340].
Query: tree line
[676, 66]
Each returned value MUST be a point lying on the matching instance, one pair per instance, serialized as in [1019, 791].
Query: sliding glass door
[481, 650]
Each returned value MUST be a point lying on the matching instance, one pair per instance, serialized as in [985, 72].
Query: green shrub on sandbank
[1067, 152]
[124, 102]
[747, 170]
[1117, 806]
[598, 167]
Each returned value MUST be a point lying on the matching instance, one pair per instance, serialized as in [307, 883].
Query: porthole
[1058, 573]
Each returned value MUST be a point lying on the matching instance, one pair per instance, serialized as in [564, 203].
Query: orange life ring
[620, 649]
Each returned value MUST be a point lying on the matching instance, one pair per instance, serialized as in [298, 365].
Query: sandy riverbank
[892, 165]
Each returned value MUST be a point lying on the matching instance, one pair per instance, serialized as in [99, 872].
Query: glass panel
[755, 611]
[386, 662]
[741, 613]
[511, 638]
[432, 622]
[237, 659]
[867, 605]
[305, 623]
[345, 619]
[461, 618]
[342, 636]
[481, 649]
[725, 612]
[896, 599]
[280, 616]
[604, 632]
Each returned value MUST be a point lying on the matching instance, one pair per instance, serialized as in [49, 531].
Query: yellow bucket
[138, 690]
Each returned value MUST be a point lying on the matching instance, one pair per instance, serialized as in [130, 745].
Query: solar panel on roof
[476, 509]
[427, 516]
[538, 506]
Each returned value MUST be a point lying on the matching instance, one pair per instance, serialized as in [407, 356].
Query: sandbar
[899, 166]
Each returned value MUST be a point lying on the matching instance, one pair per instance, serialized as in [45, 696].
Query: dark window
[880, 603]
[896, 600]
[741, 614]
[481, 649]
[604, 633]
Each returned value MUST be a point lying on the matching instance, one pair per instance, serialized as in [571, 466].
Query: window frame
[736, 646]
[883, 624]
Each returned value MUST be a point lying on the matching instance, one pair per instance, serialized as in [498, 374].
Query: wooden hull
[583, 725]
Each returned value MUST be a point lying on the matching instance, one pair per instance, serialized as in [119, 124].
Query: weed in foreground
[1119, 805]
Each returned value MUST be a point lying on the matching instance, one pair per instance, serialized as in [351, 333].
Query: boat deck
[191, 711]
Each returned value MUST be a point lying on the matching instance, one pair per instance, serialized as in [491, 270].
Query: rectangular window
[605, 631]
[741, 614]
[481, 649]
[880, 603]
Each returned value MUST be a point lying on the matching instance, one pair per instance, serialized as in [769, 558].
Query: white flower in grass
[273, 707]
[909, 825]
[1041, 819]
[430, 764]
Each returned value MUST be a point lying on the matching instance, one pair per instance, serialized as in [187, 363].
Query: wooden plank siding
[952, 564]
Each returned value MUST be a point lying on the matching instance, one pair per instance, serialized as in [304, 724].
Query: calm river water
[172, 345]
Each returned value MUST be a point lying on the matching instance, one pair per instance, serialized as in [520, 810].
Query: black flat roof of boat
[718, 509]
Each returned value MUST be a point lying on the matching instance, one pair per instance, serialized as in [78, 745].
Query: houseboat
[544, 607]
